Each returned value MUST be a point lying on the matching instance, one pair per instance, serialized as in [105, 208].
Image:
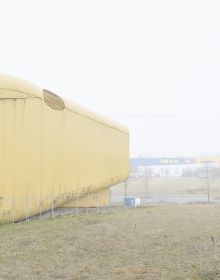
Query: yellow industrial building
[54, 152]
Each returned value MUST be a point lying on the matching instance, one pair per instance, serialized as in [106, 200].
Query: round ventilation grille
[53, 100]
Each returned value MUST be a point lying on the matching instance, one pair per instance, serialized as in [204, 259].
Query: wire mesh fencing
[144, 191]
[14, 210]
[136, 192]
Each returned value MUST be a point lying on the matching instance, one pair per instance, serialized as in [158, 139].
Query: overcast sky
[155, 62]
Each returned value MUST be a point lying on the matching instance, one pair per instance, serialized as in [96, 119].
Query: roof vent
[53, 101]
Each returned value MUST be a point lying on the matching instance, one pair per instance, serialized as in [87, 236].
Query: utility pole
[125, 196]
[146, 186]
[207, 178]
[126, 185]
[147, 176]
[207, 182]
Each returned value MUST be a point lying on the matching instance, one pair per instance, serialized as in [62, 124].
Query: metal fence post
[40, 207]
[13, 211]
[110, 200]
[77, 201]
[27, 208]
[65, 205]
[52, 207]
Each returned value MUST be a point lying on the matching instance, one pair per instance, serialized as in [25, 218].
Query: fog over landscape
[81, 198]
[151, 65]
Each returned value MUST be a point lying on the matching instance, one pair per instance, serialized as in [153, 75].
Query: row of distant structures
[170, 166]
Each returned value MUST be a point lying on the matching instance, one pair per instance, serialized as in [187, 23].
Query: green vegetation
[156, 242]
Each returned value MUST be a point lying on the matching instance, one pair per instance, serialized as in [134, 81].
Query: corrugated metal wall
[46, 152]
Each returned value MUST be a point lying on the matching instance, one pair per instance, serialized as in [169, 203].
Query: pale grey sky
[153, 58]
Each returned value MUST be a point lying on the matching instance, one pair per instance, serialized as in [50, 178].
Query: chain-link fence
[135, 192]
[29, 208]
[166, 190]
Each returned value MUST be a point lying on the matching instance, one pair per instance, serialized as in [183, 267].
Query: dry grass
[156, 242]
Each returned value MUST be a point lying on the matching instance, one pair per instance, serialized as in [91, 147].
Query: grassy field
[156, 242]
[168, 186]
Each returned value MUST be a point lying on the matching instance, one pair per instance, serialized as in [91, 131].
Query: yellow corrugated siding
[47, 153]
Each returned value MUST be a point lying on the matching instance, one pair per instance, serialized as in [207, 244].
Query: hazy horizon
[153, 66]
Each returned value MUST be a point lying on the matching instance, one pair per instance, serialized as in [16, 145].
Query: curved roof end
[13, 87]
